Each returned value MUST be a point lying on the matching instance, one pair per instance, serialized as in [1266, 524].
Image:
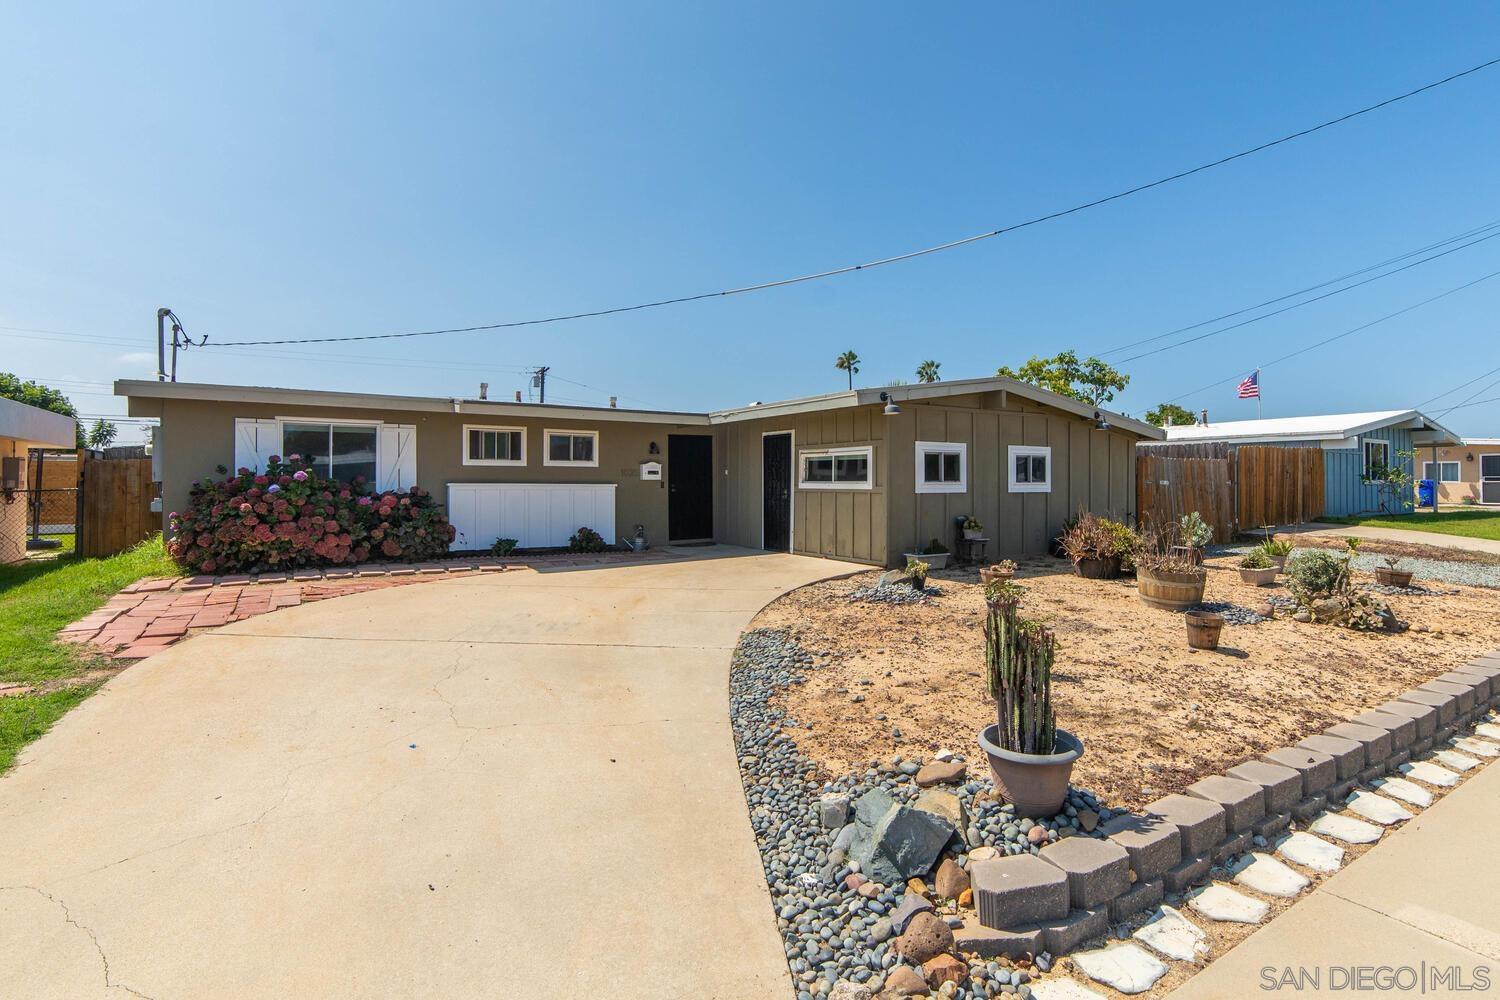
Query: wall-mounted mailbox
[651, 470]
[10, 473]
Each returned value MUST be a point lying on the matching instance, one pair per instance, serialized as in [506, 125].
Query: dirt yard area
[1153, 714]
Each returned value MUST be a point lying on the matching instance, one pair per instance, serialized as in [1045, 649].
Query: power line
[1363, 326]
[1487, 388]
[1302, 291]
[1457, 387]
[910, 255]
[1305, 302]
[1477, 402]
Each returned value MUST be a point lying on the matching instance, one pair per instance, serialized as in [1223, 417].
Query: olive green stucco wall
[197, 436]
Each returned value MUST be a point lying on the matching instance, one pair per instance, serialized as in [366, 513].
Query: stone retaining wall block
[1403, 728]
[1200, 822]
[1097, 870]
[1191, 870]
[1425, 716]
[1015, 891]
[1282, 785]
[1142, 896]
[1376, 741]
[1318, 769]
[1154, 845]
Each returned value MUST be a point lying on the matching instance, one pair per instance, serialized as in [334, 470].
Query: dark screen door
[776, 474]
[690, 486]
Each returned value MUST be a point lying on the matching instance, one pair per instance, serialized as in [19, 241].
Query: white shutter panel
[397, 468]
[254, 442]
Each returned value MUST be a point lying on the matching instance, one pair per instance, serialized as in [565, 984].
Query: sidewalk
[1376, 533]
[1426, 894]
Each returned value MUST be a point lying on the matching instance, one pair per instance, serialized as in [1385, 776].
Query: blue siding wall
[1344, 494]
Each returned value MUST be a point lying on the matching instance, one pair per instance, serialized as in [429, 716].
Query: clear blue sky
[369, 168]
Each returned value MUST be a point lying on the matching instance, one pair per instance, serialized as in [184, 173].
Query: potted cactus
[1031, 759]
[1005, 569]
[1257, 569]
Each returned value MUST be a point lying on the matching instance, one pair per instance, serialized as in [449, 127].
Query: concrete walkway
[1425, 894]
[511, 784]
[1378, 533]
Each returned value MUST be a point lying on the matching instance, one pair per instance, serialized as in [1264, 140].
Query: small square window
[942, 467]
[1030, 469]
[572, 448]
[494, 446]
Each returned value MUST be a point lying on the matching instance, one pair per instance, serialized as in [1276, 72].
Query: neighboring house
[23, 427]
[1468, 472]
[842, 475]
[1354, 445]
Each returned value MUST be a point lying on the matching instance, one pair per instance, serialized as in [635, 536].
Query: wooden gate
[1234, 487]
[115, 507]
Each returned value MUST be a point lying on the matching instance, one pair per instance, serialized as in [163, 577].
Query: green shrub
[1314, 575]
[503, 546]
[916, 573]
[1256, 559]
[586, 540]
[1195, 531]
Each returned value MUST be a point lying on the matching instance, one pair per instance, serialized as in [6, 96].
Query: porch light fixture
[1100, 424]
[891, 409]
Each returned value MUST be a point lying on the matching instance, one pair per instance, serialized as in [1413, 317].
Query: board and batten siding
[1091, 468]
[842, 524]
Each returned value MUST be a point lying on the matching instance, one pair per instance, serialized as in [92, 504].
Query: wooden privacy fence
[1234, 487]
[115, 505]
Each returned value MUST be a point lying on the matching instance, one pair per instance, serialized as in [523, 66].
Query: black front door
[690, 486]
[776, 474]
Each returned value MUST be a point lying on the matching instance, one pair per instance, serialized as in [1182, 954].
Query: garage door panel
[537, 515]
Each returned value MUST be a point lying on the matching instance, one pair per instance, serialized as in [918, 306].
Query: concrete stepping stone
[1063, 989]
[1429, 773]
[1376, 808]
[1219, 902]
[1128, 968]
[1311, 852]
[1407, 791]
[1455, 760]
[1488, 730]
[1265, 874]
[1345, 828]
[1174, 935]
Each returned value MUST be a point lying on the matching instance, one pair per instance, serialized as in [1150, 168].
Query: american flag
[1250, 388]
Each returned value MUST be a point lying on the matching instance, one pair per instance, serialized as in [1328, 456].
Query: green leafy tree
[1393, 483]
[102, 434]
[927, 371]
[38, 395]
[1170, 413]
[848, 362]
[1091, 380]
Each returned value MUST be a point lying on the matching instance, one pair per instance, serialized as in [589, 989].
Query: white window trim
[571, 432]
[868, 451]
[1457, 476]
[1015, 451]
[1364, 453]
[464, 444]
[332, 422]
[959, 448]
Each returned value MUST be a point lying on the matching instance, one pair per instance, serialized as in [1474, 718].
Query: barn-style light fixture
[891, 409]
[1100, 424]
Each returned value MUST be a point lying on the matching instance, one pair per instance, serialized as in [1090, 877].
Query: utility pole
[539, 380]
[180, 340]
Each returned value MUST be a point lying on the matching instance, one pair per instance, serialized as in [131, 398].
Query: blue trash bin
[1426, 492]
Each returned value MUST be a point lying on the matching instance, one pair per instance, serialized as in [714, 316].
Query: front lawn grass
[1465, 523]
[37, 598]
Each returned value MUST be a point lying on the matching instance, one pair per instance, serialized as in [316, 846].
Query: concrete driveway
[520, 784]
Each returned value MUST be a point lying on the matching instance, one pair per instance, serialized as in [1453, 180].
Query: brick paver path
[151, 615]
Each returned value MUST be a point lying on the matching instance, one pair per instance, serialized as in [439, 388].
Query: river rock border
[910, 877]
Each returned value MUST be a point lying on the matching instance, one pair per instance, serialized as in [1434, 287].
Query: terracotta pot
[990, 574]
[1393, 577]
[1203, 628]
[1173, 591]
[1258, 577]
[1036, 784]
[1107, 568]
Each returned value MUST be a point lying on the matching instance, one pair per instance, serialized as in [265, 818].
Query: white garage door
[537, 515]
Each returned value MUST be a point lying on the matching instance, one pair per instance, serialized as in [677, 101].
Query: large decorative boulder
[898, 842]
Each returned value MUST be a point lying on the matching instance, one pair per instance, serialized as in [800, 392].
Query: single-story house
[1355, 445]
[866, 474]
[1468, 472]
[22, 428]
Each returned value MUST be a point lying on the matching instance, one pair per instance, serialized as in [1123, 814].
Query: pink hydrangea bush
[290, 516]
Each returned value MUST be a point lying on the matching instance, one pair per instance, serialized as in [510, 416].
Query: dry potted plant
[973, 528]
[1256, 568]
[1194, 534]
[1031, 759]
[1005, 569]
[1390, 576]
[1166, 576]
[934, 554]
[1096, 545]
[916, 573]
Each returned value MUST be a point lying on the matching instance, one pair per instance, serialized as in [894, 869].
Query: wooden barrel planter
[1107, 568]
[1393, 577]
[1169, 590]
[1203, 628]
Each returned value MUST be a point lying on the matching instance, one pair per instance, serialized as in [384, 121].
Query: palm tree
[848, 362]
[927, 371]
